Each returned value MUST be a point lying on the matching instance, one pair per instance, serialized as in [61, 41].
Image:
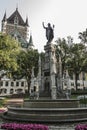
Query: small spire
[17, 7]
[4, 18]
[31, 42]
[26, 23]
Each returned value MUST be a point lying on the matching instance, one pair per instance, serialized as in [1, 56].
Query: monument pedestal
[53, 93]
[49, 72]
[51, 103]
[47, 111]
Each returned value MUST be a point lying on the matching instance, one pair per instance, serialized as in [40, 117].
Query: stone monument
[47, 108]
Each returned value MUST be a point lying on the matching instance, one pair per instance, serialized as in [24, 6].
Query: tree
[26, 61]
[73, 57]
[62, 50]
[9, 49]
[83, 36]
[77, 60]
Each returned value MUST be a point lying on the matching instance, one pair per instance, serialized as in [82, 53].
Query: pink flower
[16, 126]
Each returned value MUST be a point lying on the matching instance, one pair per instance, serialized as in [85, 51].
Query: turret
[27, 29]
[4, 23]
[30, 45]
[26, 23]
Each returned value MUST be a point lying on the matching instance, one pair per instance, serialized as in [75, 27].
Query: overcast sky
[68, 16]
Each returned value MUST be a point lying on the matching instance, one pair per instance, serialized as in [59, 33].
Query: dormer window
[16, 20]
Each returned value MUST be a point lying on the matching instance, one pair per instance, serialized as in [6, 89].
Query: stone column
[32, 80]
[53, 87]
[53, 73]
[39, 73]
[68, 93]
[60, 73]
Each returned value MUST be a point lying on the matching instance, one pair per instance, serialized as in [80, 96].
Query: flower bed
[16, 126]
[81, 127]
[1, 111]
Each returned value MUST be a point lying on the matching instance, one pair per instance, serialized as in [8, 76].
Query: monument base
[50, 103]
[47, 111]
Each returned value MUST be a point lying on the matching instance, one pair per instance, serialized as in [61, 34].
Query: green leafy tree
[83, 36]
[73, 58]
[62, 50]
[77, 60]
[26, 61]
[9, 49]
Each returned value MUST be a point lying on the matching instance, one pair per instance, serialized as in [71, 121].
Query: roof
[12, 17]
[30, 41]
[21, 40]
[4, 18]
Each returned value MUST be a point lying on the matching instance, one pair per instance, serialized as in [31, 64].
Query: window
[16, 20]
[5, 90]
[12, 84]
[6, 83]
[17, 83]
[65, 84]
[11, 91]
[1, 83]
[71, 77]
[72, 84]
[83, 76]
[78, 84]
[47, 73]
[22, 83]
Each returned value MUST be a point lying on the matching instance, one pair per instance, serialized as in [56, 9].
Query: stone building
[15, 26]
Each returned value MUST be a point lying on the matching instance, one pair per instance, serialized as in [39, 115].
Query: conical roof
[30, 41]
[26, 23]
[4, 18]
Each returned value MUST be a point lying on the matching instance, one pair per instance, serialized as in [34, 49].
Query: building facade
[15, 26]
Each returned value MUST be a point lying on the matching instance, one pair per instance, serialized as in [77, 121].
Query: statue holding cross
[49, 32]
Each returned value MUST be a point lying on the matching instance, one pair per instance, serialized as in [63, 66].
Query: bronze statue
[49, 32]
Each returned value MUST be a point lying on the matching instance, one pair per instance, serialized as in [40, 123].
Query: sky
[68, 16]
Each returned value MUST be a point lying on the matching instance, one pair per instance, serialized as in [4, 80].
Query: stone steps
[44, 115]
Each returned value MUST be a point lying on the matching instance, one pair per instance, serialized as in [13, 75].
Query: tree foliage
[83, 36]
[62, 50]
[26, 61]
[73, 57]
[9, 49]
[77, 60]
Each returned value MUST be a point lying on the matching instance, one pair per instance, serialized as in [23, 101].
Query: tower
[30, 44]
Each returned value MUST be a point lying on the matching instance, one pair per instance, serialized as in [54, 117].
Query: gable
[12, 18]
